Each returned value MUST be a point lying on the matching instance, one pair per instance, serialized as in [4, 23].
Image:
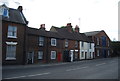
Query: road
[105, 68]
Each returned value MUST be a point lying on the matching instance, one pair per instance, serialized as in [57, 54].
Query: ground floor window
[11, 52]
[82, 54]
[40, 54]
[53, 54]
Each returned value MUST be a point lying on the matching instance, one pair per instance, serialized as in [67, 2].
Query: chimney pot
[42, 26]
[20, 8]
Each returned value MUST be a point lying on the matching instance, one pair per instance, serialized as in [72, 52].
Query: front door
[30, 58]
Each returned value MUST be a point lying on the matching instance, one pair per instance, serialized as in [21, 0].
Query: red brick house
[13, 35]
[102, 43]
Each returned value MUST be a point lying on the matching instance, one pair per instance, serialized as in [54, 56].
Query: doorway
[30, 59]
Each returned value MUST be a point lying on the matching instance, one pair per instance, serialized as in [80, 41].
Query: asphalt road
[105, 68]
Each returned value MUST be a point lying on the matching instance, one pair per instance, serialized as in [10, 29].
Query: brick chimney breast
[42, 26]
[69, 27]
[77, 28]
[20, 8]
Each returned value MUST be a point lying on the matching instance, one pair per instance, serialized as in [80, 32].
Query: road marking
[15, 77]
[100, 64]
[76, 68]
[112, 61]
[28, 76]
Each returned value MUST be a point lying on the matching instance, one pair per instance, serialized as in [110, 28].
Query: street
[104, 68]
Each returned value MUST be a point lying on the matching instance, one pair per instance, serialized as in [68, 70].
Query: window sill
[10, 58]
[12, 37]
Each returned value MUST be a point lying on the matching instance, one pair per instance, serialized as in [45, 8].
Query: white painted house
[86, 50]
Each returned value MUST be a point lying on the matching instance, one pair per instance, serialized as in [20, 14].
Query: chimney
[69, 27]
[20, 8]
[42, 26]
[77, 28]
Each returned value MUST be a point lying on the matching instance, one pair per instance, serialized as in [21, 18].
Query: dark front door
[66, 56]
[104, 53]
[30, 57]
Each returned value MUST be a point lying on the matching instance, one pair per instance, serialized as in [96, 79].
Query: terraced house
[27, 45]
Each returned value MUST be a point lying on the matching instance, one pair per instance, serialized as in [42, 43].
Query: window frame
[9, 52]
[12, 32]
[55, 42]
[53, 53]
[41, 41]
[40, 55]
[66, 43]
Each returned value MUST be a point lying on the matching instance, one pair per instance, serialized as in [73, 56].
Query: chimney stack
[69, 27]
[77, 28]
[42, 26]
[20, 8]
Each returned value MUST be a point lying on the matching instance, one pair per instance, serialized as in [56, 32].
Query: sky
[89, 15]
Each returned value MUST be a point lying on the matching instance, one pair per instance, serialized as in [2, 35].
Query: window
[82, 44]
[40, 54]
[53, 54]
[98, 53]
[82, 54]
[41, 41]
[53, 42]
[66, 43]
[103, 41]
[97, 41]
[12, 31]
[76, 44]
[5, 12]
[11, 52]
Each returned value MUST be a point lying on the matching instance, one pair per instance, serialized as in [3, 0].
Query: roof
[41, 32]
[15, 16]
[71, 35]
[92, 33]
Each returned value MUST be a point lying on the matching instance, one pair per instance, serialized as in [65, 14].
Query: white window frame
[82, 44]
[12, 31]
[82, 54]
[53, 44]
[41, 41]
[8, 52]
[66, 43]
[53, 54]
[40, 55]
[98, 52]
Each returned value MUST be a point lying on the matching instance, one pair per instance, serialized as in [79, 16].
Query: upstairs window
[41, 41]
[76, 44]
[103, 41]
[12, 32]
[53, 42]
[82, 44]
[5, 12]
[66, 43]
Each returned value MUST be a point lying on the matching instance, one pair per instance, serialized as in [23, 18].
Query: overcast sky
[90, 15]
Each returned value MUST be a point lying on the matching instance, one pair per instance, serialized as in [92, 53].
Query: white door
[71, 55]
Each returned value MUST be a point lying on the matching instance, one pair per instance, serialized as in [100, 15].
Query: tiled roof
[41, 32]
[92, 33]
[72, 35]
[15, 16]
